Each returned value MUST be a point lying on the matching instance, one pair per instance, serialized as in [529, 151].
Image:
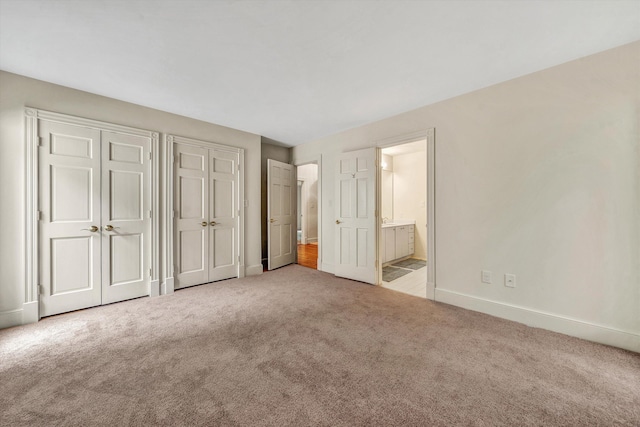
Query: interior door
[126, 216]
[206, 214]
[281, 234]
[191, 213]
[355, 206]
[69, 233]
[223, 214]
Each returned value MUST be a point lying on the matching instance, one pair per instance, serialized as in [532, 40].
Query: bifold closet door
[206, 215]
[191, 215]
[223, 214]
[126, 216]
[70, 236]
[95, 225]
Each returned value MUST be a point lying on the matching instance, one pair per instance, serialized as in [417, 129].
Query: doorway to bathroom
[404, 208]
[307, 215]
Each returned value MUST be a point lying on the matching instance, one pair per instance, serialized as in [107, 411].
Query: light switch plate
[486, 276]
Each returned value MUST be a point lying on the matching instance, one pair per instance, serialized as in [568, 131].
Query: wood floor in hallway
[308, 255]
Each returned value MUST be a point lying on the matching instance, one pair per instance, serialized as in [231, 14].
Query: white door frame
[168, 228]
[31, 311]
[301, 211]
[317, 160]
[429, 135]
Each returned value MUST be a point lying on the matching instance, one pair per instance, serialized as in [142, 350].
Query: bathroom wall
[410, 195]
[387, 187]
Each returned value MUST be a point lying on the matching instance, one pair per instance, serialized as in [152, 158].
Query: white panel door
[355, 216]
[281, 215]
[206, 214]
[223, 215]
[191, 213]
[126, 216]
[69, 240]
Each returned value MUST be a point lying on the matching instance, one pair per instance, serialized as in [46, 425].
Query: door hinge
[39, 215]
[238, 258]
[40, 290]
[149, 155]
[149, 213]
[40, 141]
[151, 272]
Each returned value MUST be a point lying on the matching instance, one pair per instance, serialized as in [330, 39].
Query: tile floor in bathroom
[414, 283]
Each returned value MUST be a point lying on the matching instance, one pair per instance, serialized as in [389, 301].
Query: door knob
[204, 223]
[338, 221]
[109, 227]
[212, 223]
[92, 229]
[272, 220]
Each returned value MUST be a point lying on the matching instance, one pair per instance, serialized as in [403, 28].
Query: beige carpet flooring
[300, 347]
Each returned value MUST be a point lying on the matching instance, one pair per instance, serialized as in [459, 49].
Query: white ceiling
[295, 71]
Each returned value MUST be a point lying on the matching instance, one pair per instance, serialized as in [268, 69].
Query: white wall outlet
[486, 276]
[510, 280]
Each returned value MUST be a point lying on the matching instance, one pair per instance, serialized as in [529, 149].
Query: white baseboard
[21, 316]
[30, 312]
[168, 286]
[312, 239]
[327, 268]
[564, 325]
[254, 270]
[154, 288]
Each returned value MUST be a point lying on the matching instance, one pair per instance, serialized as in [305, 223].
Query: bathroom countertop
[399, 223]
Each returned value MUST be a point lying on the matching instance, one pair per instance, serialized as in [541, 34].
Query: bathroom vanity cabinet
[397, 241]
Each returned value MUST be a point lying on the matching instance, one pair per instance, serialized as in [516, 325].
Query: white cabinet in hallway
[206, 213]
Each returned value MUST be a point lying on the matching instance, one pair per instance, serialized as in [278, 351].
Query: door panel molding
[33, 117]
[169, 189]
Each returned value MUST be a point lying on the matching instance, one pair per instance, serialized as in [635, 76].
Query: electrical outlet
[510, 280]
[486, 276]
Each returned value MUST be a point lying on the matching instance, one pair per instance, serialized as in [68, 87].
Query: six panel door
[281, 232]
[355, 216]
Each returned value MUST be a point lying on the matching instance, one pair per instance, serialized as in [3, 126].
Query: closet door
[69, 232]
[206, 214]
[126, 216]
[223, 214]
[191, 213]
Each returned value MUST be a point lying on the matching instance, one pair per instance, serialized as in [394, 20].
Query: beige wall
[18, 92]
[537, 176]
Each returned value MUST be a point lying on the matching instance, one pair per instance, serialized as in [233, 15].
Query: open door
[281, 214]
[355, 211]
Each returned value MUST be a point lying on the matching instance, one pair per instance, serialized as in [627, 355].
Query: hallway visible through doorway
[307, 215]
[308, 255]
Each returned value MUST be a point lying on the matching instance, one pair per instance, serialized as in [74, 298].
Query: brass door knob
[204, 223]
[272, 220]
[92, 229]
[109, 227]
[338, 221]
[213, 223]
